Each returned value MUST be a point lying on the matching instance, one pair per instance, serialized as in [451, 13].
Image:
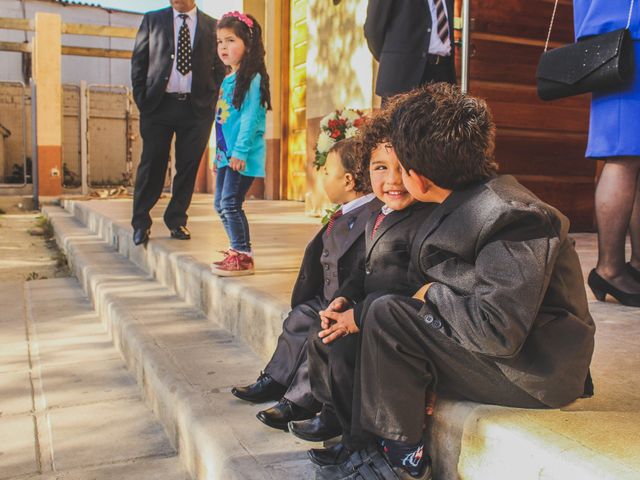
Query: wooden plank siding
[541, 143]
[296, 130]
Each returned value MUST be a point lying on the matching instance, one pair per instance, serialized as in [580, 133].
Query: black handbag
[594, 64]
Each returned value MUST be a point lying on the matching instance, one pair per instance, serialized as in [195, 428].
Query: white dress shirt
[177, 82]
[436, 47]
[353, 204]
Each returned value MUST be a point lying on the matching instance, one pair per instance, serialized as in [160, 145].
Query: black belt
[181, 97]
[437, 59]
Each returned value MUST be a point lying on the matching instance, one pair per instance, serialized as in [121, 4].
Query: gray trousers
[288, 365]
[401, 355]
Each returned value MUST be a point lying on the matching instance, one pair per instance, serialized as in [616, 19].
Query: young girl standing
[240, 123]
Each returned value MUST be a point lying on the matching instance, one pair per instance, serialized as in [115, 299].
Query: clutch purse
[597, 63]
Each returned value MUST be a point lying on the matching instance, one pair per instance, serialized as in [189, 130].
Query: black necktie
[183, 65]
[443, 23]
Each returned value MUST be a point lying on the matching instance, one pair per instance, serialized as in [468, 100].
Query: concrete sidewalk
[590, 439]
[69, 409]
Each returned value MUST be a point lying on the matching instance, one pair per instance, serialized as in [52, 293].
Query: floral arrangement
[336, 126]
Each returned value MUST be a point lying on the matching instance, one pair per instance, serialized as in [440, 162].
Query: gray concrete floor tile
[106, 433]
[89, 381]
[15, 393]
[77, 350]
[17, 447]
[14, 356]
[148, 469]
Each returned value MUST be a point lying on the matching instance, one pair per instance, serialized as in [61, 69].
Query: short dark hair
[376, 130]
[444, 135]
[350, 152]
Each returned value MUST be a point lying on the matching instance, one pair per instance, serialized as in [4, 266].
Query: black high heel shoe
[634, 272]
[600, 288]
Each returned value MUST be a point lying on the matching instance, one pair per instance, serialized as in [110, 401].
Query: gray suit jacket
[152, 61]
[508, 286]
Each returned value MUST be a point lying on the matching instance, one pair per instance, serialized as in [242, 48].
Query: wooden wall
[541, 143]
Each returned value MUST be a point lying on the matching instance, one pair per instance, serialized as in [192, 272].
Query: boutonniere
[328, 212]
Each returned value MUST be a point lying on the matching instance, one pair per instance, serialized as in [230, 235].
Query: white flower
[325, 142]
[350, 132]
[324, 123]
[350, 115]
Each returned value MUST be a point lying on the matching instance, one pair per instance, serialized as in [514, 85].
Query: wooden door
[295, 134]
[541, 143]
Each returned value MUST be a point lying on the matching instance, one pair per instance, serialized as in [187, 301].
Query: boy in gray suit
[501, 317]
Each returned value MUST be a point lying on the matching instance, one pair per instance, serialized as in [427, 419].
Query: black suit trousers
[157, 128]
[288, 365]
[401, 355]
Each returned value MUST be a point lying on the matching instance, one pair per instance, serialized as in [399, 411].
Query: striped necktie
[443, 23]
[332, 220]
[376, 225]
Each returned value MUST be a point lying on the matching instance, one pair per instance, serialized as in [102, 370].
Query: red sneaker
[235, 265]
[221, 262]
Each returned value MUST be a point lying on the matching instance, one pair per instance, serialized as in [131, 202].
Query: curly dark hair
[444, 135]
[252, 62]
[376, 130]
[350, 151]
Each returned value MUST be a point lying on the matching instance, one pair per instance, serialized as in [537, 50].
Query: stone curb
[207, 444]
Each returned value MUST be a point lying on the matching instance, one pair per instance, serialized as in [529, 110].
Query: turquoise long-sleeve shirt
[240, 133]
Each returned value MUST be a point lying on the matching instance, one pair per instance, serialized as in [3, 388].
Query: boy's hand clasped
[335, 322]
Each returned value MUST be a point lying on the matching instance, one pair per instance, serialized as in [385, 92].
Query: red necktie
[332, 220]
[379, 220]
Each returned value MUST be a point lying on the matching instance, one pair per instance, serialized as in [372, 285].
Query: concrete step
[590, 439]
[68, 406]
[185, 363]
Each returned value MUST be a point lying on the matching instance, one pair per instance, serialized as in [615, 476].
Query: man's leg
[191, 139]
[156, 130]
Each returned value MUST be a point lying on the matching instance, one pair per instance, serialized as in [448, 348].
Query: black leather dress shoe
[265, 389]
[600, 288]
[315, 429]
[282, 413]
[334, 455]
[140, 236]
[181, 233]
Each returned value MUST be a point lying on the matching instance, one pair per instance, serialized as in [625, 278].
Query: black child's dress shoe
[601, 288]
[263, 390]
[334, 455]
[180, 233]
[282, 413]
[634, 272]
[140, 236]
[316, 429]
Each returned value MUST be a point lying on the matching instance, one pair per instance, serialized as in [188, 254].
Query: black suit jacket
[386, 264]
[152, 61]
[507, 285]
[310, 277]
[398, 33]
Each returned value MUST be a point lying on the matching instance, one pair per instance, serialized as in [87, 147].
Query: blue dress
[614, 122]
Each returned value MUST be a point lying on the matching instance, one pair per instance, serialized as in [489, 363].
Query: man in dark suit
[176, 73]
[502, 317]
[413, 42]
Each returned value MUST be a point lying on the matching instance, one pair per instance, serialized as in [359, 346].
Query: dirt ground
[27, 250]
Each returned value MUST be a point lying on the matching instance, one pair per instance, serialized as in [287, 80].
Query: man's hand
[338, 324]
[422, 293]
[237, 164]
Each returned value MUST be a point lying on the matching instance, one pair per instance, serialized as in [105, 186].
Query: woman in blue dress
[614, 136]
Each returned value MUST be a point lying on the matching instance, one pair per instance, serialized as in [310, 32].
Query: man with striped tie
[413, 42]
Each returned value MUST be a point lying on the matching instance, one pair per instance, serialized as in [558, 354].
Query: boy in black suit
[328, 260]
[384, 269]
[502, 316]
